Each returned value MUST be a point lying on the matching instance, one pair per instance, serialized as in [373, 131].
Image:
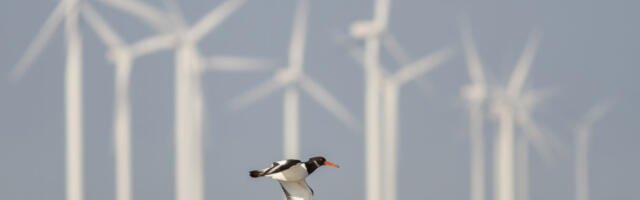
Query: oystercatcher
[291, 174]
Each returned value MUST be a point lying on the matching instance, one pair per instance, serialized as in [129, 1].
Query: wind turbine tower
[67, 10]
[475, 95]
[370, 31]
[583, 130]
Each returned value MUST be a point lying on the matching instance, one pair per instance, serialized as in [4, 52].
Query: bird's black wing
[278, 167]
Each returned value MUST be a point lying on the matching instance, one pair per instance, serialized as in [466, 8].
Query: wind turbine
[391, 85]
[475, 94]
[507, 107]
[370, 32]
[583, 132]
[66, 10]
[189, 98]
[375, 34]
[122, 55]
[528, 100]
[291, 79]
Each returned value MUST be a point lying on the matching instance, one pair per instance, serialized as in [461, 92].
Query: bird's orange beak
[331, 164]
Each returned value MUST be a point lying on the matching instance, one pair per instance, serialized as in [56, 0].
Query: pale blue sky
[588, 53]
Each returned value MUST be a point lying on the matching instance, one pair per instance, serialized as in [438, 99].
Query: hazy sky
[588, 53]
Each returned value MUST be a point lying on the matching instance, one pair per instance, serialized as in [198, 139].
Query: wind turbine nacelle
[500, 106]
[363, 29]
[115, 54]
[474, 92]
[288, 75]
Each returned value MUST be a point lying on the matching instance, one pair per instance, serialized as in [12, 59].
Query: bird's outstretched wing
[296, 190]
[275, 168]
[286, 193]
[305, 182]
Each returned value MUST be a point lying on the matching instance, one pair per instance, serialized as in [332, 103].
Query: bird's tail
[256, 173]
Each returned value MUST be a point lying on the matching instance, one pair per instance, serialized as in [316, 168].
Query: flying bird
[291, 174]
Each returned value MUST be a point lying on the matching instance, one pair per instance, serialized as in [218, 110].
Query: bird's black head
[313, 163]
[318, 160]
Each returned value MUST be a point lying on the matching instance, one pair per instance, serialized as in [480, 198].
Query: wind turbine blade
[324, 98]
[381, 13]
[531, 99]
[175, 13]
[214, 18]
[472, 58]
[41, 40]
[523, 116]
[594, 114]
[356, 52]
[521, 71]
[153, 44]
[401, 56]
[237, 63]
[148, 14]
[257, 93]
[423, 65]
[533, 133]
[101, 27]
[353, 50]
[296, 48]
[394, 48]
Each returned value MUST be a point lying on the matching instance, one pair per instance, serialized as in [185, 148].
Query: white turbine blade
[324, 98]
[423, 65]
[393, 47]
[257, 93]
[472, 57]
[353, 50]
[101, 27]
[147, 13]
[521, 71]
[356, 52]
[531, 99]
[41, 40]
[533, 133]
[401, 56]
[175, 13]
[523, 111]
[238, 63]
[214, 18]
[296, 48]
[594, 114]
[153, 44]
[381, 13]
